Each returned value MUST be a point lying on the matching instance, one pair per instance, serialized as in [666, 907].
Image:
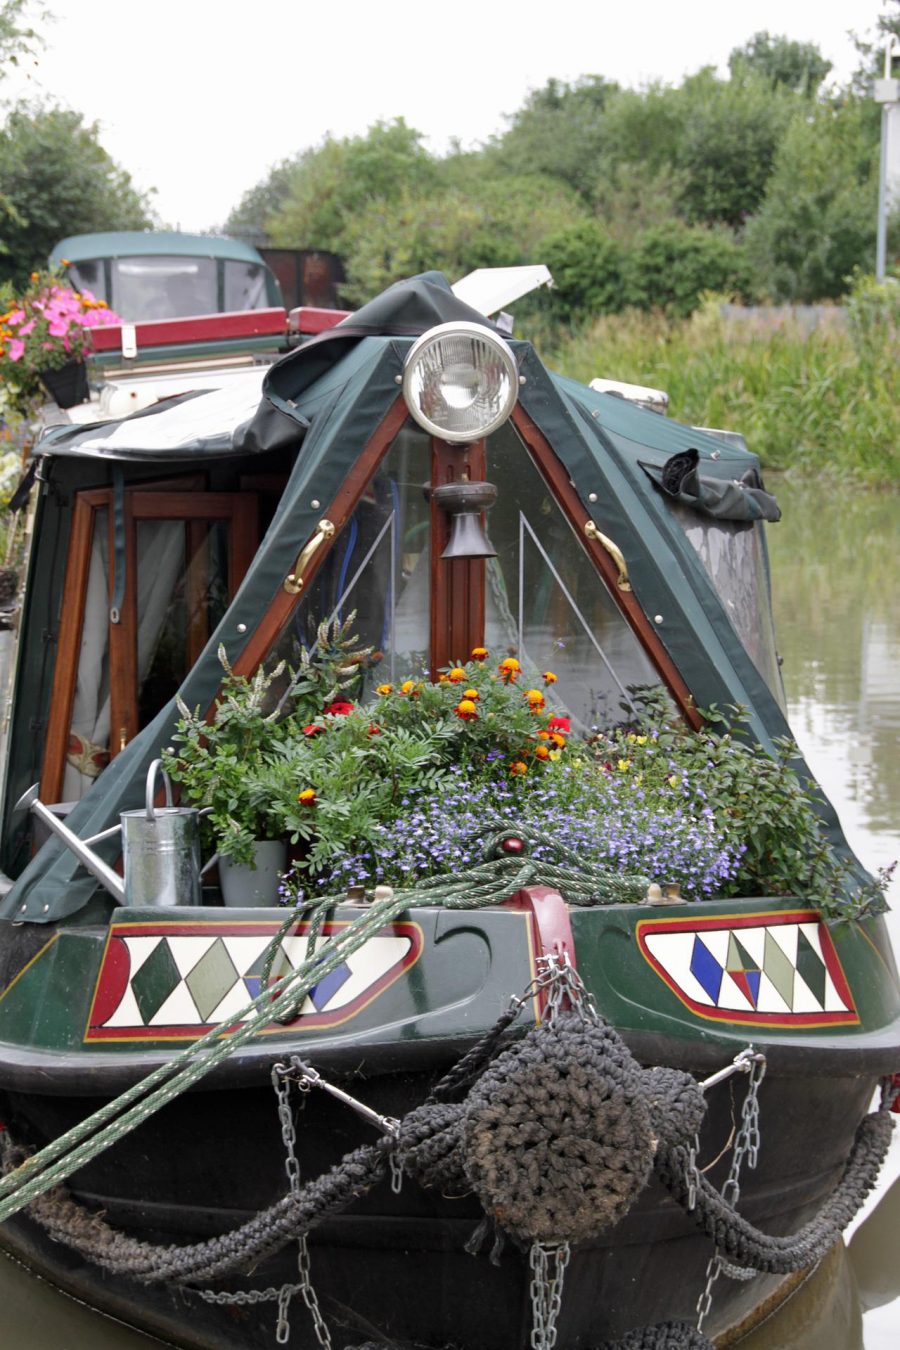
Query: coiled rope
[488, 883]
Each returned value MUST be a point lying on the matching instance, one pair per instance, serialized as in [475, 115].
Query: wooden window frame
[182, 499]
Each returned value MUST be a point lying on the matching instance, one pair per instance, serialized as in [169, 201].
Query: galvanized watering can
[160, 848]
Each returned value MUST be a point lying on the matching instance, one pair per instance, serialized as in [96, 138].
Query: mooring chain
[746, 1146]
[548, 1267]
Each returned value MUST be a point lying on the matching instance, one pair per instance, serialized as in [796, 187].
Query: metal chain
[548, 1268]
[746, 1146]
[282, 1074]
[564, 989]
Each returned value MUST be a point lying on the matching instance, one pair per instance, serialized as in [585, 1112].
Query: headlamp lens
[460, 381]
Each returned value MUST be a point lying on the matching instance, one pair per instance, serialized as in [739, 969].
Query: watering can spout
[86, 856]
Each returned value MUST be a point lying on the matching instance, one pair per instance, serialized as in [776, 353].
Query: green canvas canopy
[323, 403]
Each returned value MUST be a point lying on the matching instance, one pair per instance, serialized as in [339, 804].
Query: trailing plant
[42, 328]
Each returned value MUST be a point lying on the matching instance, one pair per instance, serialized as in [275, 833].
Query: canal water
[836, 574]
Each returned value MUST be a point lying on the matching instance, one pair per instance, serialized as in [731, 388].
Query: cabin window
[127, 641]
[378, 566]
[545, 601]
[244, 286]
[174, 287]
[735, 558]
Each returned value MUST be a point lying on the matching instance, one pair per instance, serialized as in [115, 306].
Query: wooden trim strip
[557, 478]
[339, 511]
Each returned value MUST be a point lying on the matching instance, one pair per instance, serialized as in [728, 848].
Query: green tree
[250, 218]
[731, 133]
[559, 132]
[798, 66]
[818, 221]
[17, 37]
[56, 179]
[670, 267]
[505, 223]
[329, 186]
[586, 265]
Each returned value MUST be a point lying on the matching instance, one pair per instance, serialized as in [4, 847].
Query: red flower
[338, 709]
[563, 724]
[313, 729]
[373, 730]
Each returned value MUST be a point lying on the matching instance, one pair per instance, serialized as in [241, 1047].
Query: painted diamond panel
[777, 969]
[172, 981]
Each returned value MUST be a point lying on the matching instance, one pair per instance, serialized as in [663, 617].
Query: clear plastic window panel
[547, 604]
[164, 287]
[378, 568]
[734, 555]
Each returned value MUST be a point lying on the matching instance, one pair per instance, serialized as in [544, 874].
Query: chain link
[548, 1268]
[746, 1147]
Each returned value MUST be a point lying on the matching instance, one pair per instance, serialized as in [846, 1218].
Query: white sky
[198, 98]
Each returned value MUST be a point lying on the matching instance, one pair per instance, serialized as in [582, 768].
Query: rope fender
[600, 1122]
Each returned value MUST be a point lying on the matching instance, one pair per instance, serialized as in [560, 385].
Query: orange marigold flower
[509, 669]
[384, 690]
[479, 653]
[409, 687]
[549, 677]
[541, 751]
[307, 797]
[35, 276]
[518, 768]
[545, 735]
[466, 710]
[534, 699]
[457, 675]
[558, 740]
[473, 694]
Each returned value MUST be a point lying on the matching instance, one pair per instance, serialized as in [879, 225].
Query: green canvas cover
[333, 394]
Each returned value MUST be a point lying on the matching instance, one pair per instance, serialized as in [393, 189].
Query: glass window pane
[88, 748]
[547, 604]
[379, 567]
[245, 286]
[88, 276]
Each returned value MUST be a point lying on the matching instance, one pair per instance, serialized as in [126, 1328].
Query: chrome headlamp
[460, 381]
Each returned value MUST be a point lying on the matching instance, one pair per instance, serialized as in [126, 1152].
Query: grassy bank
[825, 401]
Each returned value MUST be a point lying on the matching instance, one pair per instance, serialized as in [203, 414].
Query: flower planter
[244, 886]
[68, 384]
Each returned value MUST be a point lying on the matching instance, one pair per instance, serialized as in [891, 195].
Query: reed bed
[815, 400]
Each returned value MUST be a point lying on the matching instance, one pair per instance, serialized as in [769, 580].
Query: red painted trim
[194, 1030]
[308, 319]
[202, 328]
[764, 919]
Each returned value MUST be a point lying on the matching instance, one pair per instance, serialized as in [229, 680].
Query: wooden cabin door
[150, 572]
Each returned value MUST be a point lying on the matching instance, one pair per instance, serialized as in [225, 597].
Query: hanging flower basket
[68, 384]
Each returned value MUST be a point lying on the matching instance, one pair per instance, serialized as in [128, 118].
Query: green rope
[485, 884]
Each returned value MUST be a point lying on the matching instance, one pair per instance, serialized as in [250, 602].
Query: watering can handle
[155, 769]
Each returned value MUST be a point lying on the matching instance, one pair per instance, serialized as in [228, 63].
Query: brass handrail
[293, 582]
[614, 552]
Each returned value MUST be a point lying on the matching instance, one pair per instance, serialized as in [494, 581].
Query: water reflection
[836, 580]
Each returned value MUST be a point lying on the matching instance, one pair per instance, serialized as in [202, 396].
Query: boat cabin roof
[150, 243]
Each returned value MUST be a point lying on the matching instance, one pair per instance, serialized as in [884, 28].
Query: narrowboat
[534, 1090]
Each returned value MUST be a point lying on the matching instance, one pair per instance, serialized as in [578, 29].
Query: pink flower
[16, 349]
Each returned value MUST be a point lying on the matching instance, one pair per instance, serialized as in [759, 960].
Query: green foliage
[504, 224]
[731, 133]
[221, 762]
[817, 223]
[798, 66]
[330, 186]
[671, 267]
[586, 265]
[559, 132]
[17, 37]
[56, 179]
[814, 401]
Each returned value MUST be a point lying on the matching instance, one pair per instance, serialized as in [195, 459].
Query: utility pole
[887, 93]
